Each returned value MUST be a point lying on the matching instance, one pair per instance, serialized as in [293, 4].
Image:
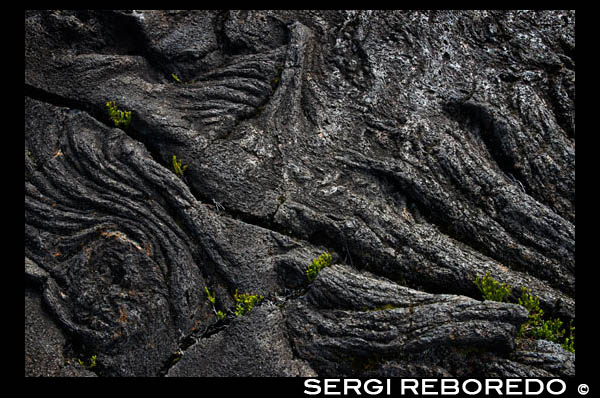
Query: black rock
[420, 148]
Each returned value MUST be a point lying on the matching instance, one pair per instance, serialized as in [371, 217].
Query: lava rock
[253, 345]
[420, 148]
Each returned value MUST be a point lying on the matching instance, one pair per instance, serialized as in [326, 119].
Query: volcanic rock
[420, 148]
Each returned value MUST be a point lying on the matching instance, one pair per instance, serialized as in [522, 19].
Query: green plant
[317, 264]
[119, 118]
[177, 167]
[536, 326]
[92, 362]
[245, 302]
[177, 79]
[545, 329]
[491, 289]
[569, 343]
[211, 297]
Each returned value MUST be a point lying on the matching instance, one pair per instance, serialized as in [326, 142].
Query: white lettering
[497, 386]
[510, 385]
[446, 387]
[539, 383]
[404, 387]
[377, 390]
[331, 383]
[312, 383]
[471, 392]
[442, 386]
[427, 383]
[355, 387]
[564, 387]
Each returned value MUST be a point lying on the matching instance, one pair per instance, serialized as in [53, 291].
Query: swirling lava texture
[418, 163]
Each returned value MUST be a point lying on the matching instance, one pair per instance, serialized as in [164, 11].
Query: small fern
[245, 302]
[317, 264]
[119, 118]
[177, 167]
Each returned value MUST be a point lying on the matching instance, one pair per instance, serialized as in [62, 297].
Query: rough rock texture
[253, 345]
[44, 344]
[420, 148]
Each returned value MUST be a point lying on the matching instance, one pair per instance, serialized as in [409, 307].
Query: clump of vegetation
[317, 264]
[546, 329]
[491, 289]
[177, 167]
[536, 326]
[245, 302]
[90, 365]
[119, 118]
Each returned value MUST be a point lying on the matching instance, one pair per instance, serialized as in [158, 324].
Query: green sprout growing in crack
[119, 118]
[179, 169]
[178, 80]
[317, 264]
[212, 298]
[245, 302]
[92, 362]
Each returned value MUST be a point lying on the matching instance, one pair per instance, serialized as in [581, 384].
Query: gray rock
[537, 358]
[393, 323]
[253, 345]
[546, 355]
[420, 148]
[45, 344]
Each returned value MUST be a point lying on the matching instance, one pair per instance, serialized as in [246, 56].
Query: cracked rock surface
[421, 149]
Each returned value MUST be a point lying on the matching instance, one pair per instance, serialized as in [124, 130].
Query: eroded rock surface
[420, 148]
